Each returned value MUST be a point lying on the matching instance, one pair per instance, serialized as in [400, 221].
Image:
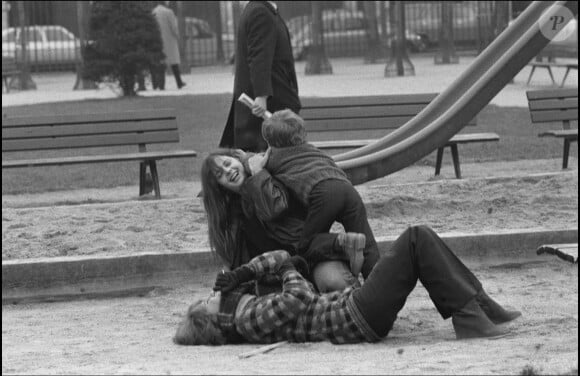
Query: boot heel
[471, 322]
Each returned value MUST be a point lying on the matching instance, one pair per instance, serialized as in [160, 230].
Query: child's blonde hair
[199, 328]
[284, 128]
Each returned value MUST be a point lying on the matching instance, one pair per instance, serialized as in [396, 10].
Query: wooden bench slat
[58, 131]
[553, 64]
[155, 155]
[328, 125]
[552, 93]
[358, 112]
[553, 115]
[371, 100]
[342, 144]
[564, 133]
[464, 138]
[356, 124]
[89, 141]
[160, 114]
[550, 104]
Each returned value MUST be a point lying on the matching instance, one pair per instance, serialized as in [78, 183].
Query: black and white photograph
[290, 188]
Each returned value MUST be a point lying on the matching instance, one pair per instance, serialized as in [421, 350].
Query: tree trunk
[375, 49]
[24, 80]
[399, 64]
[446, 53]
[81, 82]
[316, 60]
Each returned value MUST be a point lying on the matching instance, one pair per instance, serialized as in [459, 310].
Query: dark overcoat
[264, 67]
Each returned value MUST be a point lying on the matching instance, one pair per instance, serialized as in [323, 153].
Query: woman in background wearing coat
[170, 37]
[264, 70]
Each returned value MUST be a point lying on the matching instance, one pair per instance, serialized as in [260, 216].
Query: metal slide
[461, 101]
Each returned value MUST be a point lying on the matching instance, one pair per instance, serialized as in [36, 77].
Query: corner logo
[553, 22]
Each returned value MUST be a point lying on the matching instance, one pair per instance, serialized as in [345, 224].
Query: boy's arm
[265, 196]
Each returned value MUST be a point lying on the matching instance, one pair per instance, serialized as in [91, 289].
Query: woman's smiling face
[229, 172]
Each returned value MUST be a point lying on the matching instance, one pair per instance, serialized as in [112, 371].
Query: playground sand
[178, 223]
[132, 335]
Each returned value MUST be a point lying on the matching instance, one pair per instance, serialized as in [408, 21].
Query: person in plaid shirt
[362, 314]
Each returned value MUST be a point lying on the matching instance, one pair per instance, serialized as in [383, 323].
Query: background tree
[375, 50]
[316, 60]
[124, 41]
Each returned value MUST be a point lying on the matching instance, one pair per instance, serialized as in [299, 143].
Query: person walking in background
[170, 37]
[264, 70]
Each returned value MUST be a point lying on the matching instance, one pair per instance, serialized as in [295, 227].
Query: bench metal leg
[551, 76]
[531, 74]
[155, 176]
[566, 154]
[455, 155]
[565, 76]
[439, 160]
[549, 72]
[142, 177]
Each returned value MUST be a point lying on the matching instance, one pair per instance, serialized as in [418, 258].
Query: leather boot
[496, 313]
[353, 244]
[471, 322]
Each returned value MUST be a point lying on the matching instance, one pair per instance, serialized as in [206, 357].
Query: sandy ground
[132, 335]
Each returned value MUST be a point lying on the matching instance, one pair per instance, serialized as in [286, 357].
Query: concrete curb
[64, 278]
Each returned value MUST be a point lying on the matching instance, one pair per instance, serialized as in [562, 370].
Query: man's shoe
[181, 85]
[494, 311]
[353, 245]
[471, 322]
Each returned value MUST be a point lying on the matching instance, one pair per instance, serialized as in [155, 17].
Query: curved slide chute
[459, 103]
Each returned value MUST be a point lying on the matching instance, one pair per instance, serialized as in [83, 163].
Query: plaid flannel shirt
[298, 313]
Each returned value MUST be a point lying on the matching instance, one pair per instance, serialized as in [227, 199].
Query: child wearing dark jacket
[317, 182]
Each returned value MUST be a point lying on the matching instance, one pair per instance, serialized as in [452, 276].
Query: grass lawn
[201, 120]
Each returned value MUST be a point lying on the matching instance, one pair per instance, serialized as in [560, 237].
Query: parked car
[470, 20]
[51, 46]
[344, 33]
[201, 43]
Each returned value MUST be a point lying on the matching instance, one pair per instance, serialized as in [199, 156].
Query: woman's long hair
[223, 209]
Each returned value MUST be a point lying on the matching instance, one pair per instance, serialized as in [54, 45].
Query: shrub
[124, 41]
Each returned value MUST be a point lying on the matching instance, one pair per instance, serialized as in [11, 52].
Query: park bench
[548, 65]
[556, 105]
[9, 71]
[355, 116]
[106, 130]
